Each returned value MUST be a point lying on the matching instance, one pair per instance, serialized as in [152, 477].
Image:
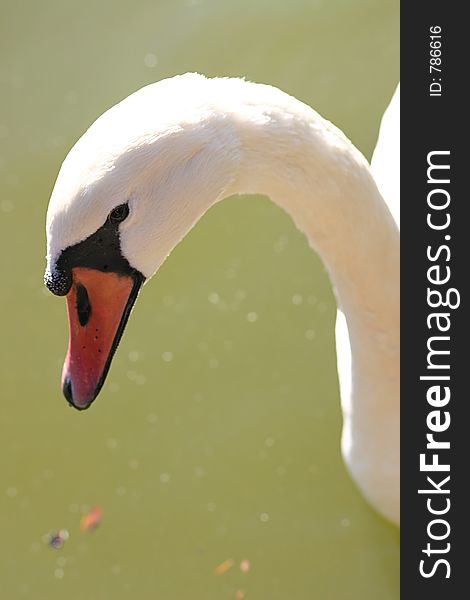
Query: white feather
[176, 147]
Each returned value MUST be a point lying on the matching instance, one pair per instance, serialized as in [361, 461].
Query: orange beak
[98, 306]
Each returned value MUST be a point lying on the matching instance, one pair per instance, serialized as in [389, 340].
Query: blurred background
[217, 435]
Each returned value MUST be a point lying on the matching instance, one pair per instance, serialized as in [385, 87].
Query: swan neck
[323, 182]
[311, 170]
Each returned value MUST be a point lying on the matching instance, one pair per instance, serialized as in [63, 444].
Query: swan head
[126, 194]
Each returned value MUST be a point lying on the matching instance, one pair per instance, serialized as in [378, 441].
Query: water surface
[217, 434]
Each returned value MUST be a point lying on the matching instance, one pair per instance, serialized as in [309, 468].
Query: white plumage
[174, 148]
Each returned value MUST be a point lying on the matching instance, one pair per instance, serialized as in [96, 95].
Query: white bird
[150, 167]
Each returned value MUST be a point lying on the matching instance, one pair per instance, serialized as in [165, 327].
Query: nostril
[83, 305]
[67, 390]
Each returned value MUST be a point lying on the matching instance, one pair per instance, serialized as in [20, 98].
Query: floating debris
[57, 539]
[92, 519]
[245, 566]
[224, 567]
[240, 595]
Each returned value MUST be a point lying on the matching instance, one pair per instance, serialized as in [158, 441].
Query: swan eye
[119, 213]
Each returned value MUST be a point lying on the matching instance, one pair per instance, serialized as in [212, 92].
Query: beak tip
[67, 391]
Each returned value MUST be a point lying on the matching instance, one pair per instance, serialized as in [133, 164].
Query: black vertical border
[427, 124]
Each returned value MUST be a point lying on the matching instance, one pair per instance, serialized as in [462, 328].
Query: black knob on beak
[58, 282]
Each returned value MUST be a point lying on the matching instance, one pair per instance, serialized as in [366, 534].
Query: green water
[217, 433]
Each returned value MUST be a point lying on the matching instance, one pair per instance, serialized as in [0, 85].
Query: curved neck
[310, 169]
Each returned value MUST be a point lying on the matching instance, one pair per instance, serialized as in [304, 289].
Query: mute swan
[150, 167]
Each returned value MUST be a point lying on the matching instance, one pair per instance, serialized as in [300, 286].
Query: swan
[148, 169]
